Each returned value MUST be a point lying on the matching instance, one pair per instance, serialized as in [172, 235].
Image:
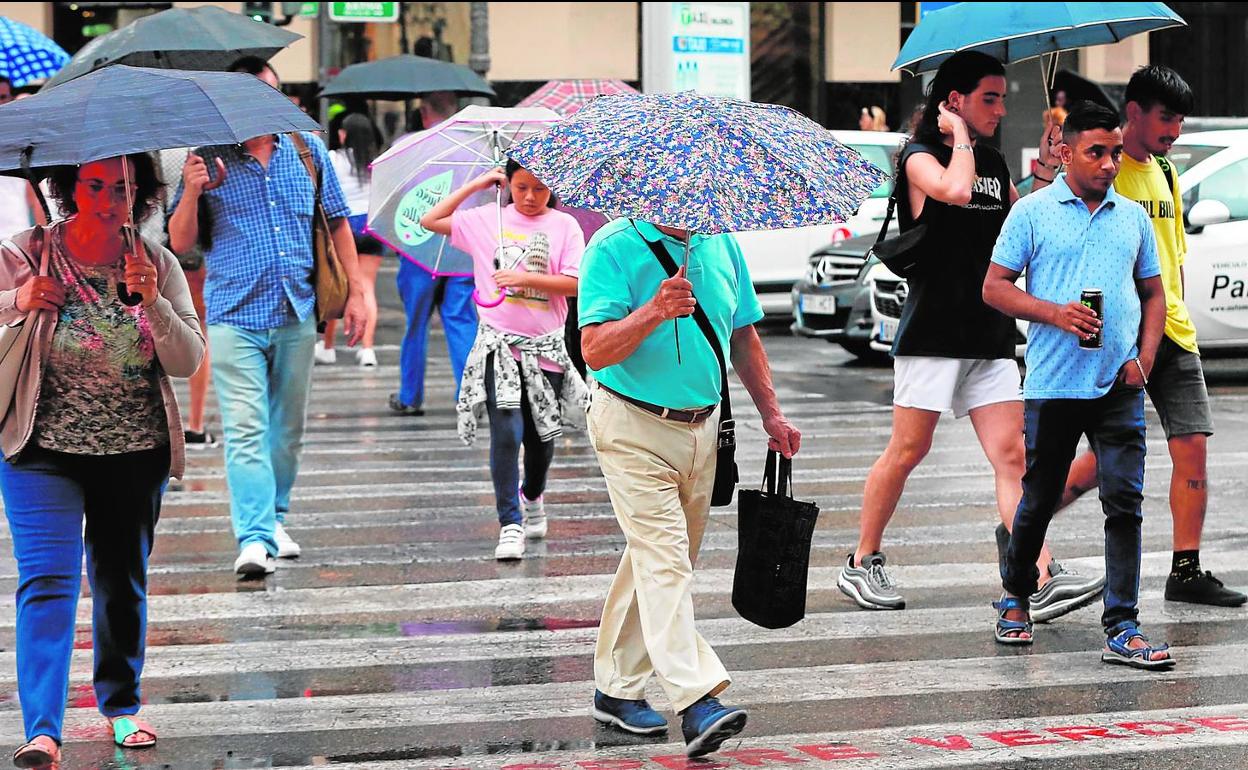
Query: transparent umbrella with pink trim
[411, 177]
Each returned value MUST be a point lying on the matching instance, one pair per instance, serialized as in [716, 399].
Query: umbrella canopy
[567, 97]
[203, 38]
[701, 163]
[1013, 32]
[27, 54]
[119, 110]
[411, 177]
[405, 77]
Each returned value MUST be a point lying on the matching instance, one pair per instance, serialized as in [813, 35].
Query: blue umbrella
[27, 54]
[120, 110]
[700, 163]
[1013, 32]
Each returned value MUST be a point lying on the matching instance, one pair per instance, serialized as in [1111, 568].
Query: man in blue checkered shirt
[261, 321]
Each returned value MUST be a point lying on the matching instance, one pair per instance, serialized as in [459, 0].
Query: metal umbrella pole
[130, 235]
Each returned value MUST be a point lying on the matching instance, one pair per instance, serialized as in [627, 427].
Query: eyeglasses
[115, 191]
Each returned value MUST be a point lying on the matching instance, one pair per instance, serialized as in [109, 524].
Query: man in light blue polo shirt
[653, 423]
[1079, 233]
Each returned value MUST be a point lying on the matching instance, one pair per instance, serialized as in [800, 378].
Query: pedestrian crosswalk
[397, 641]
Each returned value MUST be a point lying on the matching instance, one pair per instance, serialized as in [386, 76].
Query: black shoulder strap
[892, 197]
[1168, 170]
[704, 324]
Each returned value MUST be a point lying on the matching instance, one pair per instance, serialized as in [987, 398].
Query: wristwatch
[964, 146]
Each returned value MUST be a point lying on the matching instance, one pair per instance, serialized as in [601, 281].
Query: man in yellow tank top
[1157, 100]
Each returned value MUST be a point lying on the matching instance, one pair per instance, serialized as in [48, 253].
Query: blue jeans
[417, 288]
[1114, 424]
[511, 429]
[46, 497]
[263, 379]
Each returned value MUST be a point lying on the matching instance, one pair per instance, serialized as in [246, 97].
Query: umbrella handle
[476, 297]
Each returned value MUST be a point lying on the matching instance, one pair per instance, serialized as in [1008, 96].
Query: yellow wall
[542, 41]
[861, 41]
[37, 15]
[1114, 63]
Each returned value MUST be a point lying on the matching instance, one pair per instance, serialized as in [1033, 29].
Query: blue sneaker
[634, 716]
[708, 723]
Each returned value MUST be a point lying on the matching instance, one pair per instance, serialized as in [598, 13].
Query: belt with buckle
[692, 416]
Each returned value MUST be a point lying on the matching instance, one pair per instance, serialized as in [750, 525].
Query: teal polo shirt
[619, 274]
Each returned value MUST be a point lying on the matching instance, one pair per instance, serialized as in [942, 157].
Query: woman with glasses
[93, 433]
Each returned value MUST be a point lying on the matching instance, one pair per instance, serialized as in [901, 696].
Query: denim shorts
[1176, 387]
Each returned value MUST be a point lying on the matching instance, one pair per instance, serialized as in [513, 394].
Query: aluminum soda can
[1094, 299]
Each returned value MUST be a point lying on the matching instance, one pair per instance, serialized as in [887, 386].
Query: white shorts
[954, 384]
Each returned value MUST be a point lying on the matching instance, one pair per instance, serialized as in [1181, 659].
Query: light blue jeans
[263, 379]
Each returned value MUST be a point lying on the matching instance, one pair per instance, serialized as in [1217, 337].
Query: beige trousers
[659, 474]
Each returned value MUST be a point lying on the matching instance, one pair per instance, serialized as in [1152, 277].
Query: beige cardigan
[175, 329]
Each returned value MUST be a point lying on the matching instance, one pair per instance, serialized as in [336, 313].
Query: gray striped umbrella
[120, 110]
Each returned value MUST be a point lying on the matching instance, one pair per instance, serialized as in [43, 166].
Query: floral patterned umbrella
[568, 97]
[699, 163]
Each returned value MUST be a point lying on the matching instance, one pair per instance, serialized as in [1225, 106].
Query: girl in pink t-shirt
[524, 277]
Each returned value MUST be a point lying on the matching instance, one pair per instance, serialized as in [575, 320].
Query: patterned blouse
[101, 389]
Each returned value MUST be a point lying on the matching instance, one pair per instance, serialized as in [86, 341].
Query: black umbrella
[405, 77]
[1079, 88]
[203, 38]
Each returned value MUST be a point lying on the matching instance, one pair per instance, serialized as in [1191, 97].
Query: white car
[1213, 175]
[777, 259]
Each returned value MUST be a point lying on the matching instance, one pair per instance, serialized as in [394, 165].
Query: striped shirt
[259, 267]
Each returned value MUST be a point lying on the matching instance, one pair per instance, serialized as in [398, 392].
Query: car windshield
[1184, 156]
[882, 157]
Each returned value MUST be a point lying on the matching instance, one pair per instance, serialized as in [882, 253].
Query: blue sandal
[1118, 651]
[1004, 629]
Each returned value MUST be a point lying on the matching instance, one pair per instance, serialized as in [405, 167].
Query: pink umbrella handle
[476, 297]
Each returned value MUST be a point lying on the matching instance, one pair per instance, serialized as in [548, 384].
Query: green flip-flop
[127, 727]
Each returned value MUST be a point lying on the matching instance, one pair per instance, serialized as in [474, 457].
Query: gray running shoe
[1065, 592]
[869, 584]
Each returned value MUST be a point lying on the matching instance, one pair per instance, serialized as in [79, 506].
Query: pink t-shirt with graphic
[551, 243]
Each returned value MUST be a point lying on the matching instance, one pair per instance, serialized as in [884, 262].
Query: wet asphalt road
[397, 641]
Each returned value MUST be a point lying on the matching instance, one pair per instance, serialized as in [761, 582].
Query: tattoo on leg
[1197, 483]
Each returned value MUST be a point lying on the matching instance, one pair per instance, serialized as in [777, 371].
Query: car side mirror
[1208, 212]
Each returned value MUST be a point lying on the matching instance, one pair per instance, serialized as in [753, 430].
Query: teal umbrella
[203, 38]
[405, 77]
[1011, 32]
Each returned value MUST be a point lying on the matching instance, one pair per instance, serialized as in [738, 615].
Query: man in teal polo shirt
[653, 423]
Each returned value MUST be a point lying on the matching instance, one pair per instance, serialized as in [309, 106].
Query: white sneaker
[325, 355]
[365, 358]
[534, 517]
[510, 543]
[254, 561]
[287, 548]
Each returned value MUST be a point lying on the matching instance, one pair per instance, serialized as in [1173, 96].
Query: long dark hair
[360, 143]
[63, 179]
[960, 72]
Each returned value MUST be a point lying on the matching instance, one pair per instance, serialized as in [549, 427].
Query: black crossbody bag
[726, 458]
[904, 253]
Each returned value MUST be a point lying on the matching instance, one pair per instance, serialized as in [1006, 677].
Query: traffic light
[262, 12]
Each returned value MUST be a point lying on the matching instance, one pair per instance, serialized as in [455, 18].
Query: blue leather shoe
[708, 723]
[634, 716]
